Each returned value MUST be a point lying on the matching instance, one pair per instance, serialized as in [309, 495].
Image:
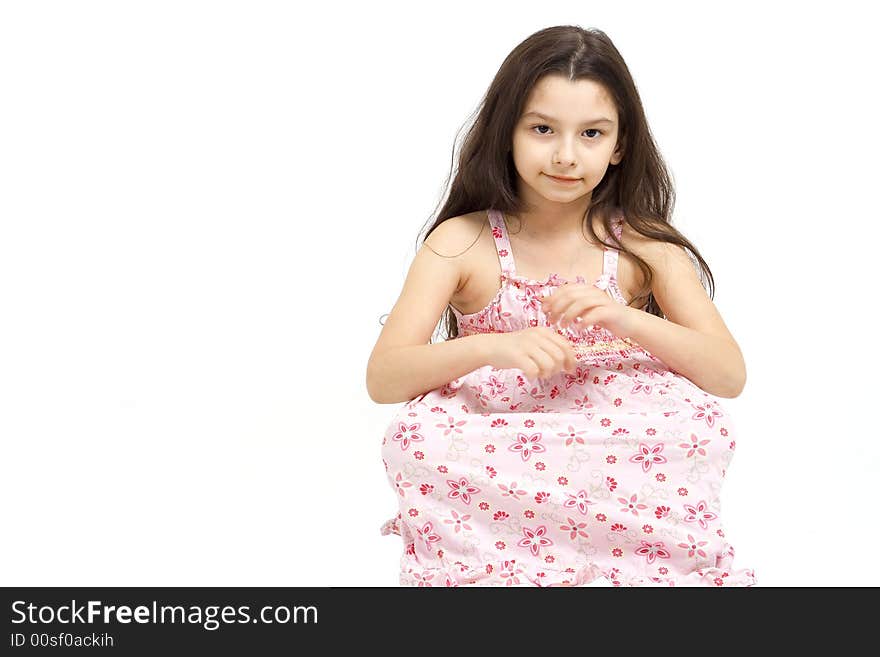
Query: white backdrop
[206, 207]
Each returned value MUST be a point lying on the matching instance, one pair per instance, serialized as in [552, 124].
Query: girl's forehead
[556, 95]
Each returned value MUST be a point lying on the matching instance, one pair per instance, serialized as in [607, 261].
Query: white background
[206, 207]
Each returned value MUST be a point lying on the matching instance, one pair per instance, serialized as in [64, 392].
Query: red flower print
[617, 552]
[631, 505]
[618, 401]
[611, 482]
[509, 572]
[617, 527]
[694, 547]
[699, 514]
[451, 425]
[427, 535]
[562, 481]
[575, 528]
[579, 501]
[442, 468]
[535, 539]
[696, 445]
[647, 529]
[652, 550]
[495, 385]
[611, 459]
[529, 423]
[496, 232]
[540, 465]
[683, 491]
[424, 489]
[572, 436]
[661, 511]
[490, 449]
[605, 422]
[641, 386]
[462, 489]
[424, 578]
[401, 484]
[458, 521]
[500, 422]
[484, 506]
[601, 517]
[419, 455]
[707, 411]
[503, 253]
[541, 497]
[513, 491]
[651, 431]
[660, 476]
[500, 515]
[490, 471]
[406, 434]
[413, 513]
[528, 513]
[648, 456]
[525, 445]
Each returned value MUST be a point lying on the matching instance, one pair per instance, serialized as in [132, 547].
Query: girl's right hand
[539, 351]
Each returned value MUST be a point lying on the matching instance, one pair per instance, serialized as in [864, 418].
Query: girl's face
[567, 141]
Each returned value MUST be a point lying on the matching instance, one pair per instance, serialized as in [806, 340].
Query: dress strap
[502, 242]
[609, 266]
[608, 280]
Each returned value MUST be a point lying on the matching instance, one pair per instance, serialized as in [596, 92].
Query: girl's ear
[617, 156]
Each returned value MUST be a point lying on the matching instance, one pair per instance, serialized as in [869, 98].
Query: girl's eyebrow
[550, 118]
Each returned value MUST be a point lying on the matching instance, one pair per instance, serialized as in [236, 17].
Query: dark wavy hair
[639, 186]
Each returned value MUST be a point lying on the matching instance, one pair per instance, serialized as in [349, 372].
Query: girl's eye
[545, 126]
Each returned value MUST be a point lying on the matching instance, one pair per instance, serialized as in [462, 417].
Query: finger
[558, 352]
[551, 301]
[543, 361]
[573, 309]
[568, 349]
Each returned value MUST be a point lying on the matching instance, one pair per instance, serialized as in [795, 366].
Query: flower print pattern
[428, 535]
[535, 539]
[648, 456]
[693, 546]
[696, 446]
[406, 434]
[612, 470]
[462, 490]
[457, 521]
[652, 551]
[631, 505]
[526, 444]
[579, 501]
[699, 514]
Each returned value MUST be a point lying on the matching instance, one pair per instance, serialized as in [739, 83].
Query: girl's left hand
[589, 304]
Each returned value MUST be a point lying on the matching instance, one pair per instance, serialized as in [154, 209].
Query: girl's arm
[404, 373]
[693, 340]
[403, 365]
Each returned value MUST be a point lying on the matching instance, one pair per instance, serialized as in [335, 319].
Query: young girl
[570, 426]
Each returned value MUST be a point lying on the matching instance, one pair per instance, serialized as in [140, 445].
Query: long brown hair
[639, 186]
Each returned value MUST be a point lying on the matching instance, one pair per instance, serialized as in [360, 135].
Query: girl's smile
[563, 181]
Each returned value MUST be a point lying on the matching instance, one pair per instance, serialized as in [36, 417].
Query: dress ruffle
[510, 572]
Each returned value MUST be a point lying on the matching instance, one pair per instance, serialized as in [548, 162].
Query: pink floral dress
[614, 471]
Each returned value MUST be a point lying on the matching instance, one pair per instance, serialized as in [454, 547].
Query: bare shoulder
[454, 235]
[454, 238]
